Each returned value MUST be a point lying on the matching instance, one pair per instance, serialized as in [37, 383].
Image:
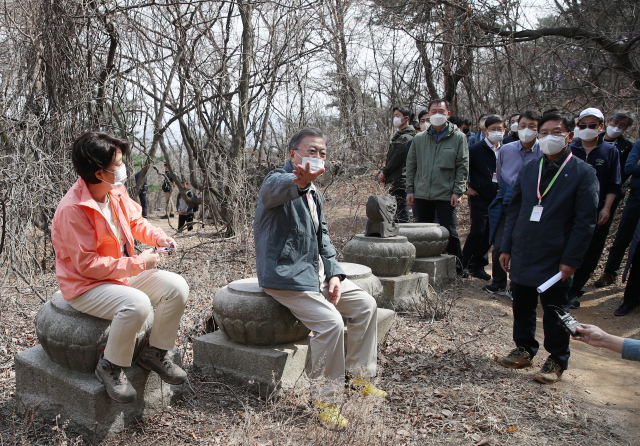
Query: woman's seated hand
[151, 259]
[165, 241]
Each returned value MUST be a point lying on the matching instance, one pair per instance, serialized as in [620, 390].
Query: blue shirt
[438, 135]
[605, 159]
[511, 158]
[631, 349]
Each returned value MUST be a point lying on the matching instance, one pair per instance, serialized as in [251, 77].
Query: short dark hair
[492, 119]
[466, 121]
[619, 115]
[437, 101]
[295, 140]
[515, 114]
[406, 111]
[534, 115]
[567, 119]
[455, 120]
[94, 151]
[484, 115]
[423, 112]
[550, 110]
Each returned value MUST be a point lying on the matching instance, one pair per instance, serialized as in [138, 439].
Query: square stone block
[50, 390]
[441, 269]
[259, 368]
[399, 293]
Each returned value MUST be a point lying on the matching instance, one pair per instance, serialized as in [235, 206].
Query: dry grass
[443, 386]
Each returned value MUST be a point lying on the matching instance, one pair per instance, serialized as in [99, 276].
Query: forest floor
[444, 386]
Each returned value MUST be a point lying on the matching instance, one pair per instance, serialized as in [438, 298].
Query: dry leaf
[511, 430]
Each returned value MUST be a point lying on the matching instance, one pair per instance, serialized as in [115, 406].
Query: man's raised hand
[304, 175]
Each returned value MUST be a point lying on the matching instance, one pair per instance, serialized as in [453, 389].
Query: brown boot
[518, 358]
[549, 373]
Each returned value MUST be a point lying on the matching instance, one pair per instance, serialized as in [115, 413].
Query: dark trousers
[632, 290]
[183, 219]
[476, 247]
[628, 223]
[499, 275]
[402, 211]
[556, 339]
[144, 203]
[447, 215]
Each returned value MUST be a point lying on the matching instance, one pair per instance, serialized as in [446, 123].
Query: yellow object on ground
[330, 415]
[367, 388]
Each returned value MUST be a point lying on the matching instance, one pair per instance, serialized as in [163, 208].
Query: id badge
[495, 178]
[536, 213]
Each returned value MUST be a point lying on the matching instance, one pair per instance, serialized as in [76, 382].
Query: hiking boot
[605, 280]
[549, 373]
[481, 274]
[518, 358]
[574, 303]
[155, 359]
[495, 289]
[330, 415]
[625, 309]
[366, 388]
[115, 381]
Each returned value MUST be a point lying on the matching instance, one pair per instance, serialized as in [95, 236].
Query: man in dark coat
[143, 195]
[394, 171]
[548, 229]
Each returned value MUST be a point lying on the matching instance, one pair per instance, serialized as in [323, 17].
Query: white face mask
[120, 176]
[495, 136]
[613, 132]
[527, 135]
[551, 145]
[437, 119]
[424, 126]
[588, 134]
[315, 164]
[514, 127]
[397, 122]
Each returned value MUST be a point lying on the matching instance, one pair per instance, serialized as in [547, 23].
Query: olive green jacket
[435, 171]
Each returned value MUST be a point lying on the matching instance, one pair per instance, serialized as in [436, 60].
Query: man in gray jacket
[297, 266]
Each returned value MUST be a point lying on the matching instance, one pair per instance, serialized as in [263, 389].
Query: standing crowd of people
[542, 189]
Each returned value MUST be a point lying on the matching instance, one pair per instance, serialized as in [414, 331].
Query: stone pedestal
[429, 239]
[388, 257]
[263, 368]
[49, 390]
[441, 269]
[400, 293]
[362, 276]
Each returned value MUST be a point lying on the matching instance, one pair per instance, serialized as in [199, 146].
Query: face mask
[587, 134]
[551, 145]
[495, 136]
[438, 119]
[527, 135]
[613, 132]
[120, 175]
[514, 127]
[424, 126]
[397, 122]
[315, 164]
[465, 131]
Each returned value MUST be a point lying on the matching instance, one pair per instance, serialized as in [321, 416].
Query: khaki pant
[128, 308]
[169, 206]
[325, 320]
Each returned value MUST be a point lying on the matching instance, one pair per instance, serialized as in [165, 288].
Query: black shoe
[625, 309]
[465, 273]
[495, 289]
[605, 280]
[172, 215]
[574, 303]
[481, 274]
[165, 216]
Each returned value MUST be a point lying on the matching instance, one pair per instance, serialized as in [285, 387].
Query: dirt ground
[444, 386]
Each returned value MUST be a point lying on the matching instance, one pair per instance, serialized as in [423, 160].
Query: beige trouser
[169, 206]
[128, 308]
[325, 320]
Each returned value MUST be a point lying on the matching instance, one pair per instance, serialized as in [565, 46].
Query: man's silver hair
[619, 115]
[295, 140]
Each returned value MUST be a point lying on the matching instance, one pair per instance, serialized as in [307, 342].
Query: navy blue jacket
[482, 167]
[564, 231]
[624, 146]
[605, 159]
[632, 168]
[497, 207]
[511, 138]
[287, 245]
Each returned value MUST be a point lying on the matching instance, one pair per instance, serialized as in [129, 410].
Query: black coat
[395, 169]
[482, 168]
[564, 231]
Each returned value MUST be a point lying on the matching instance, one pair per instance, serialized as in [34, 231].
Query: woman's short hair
[94, 151]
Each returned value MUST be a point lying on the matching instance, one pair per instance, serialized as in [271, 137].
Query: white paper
[549, 283]
[315, 164]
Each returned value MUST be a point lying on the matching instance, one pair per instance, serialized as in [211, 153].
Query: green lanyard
[552, 181]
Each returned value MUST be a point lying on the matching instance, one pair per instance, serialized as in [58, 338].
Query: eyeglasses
[593, 125]
[544, 133]
[313, 153]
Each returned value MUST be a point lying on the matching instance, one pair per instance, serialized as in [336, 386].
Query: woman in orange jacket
[99, 272]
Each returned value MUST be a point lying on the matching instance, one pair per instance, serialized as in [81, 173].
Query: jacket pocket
[296, 246]
[446, 158]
